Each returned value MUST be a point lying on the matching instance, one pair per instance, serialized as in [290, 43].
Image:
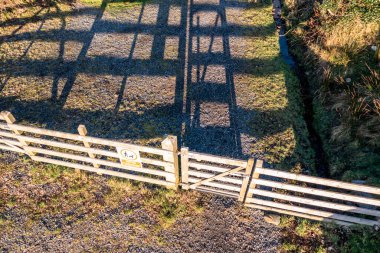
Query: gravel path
[90, 213]
[126, 74]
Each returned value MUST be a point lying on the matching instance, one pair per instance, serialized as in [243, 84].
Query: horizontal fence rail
[245, 180]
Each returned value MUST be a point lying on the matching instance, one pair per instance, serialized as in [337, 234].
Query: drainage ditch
[321, 164]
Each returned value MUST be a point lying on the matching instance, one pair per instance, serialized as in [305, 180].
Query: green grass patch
[170, 208]
[278, 124]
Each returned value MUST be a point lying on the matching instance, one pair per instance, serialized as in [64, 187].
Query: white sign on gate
[129, 157]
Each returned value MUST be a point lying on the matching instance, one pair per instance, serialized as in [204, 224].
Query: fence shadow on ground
[149, 42]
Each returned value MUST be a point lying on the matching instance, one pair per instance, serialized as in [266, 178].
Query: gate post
[246, 181]
[185, 168]
[170, 143]
[8, 117]
[82, 130]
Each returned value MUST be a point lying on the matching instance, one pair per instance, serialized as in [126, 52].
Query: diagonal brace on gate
[193, 186]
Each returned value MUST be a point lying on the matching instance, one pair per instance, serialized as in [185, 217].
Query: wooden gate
[215, 174]
[81, 152]
[313, 198]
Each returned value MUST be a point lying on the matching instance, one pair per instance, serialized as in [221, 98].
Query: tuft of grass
[168, 204]
[306, 228]
[354, 239]
[288, 247]
[49, 173]
[300, 235]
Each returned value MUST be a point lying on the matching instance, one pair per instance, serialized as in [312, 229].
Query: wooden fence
[214, 174]
[158, 165]
[245, 180]
[313, 198]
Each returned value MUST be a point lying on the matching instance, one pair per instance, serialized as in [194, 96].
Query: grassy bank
[337, 44]
[282, 136]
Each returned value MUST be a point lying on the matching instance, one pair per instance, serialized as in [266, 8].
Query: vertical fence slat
[10, 119]
[185, 168]
[255, 175]
[246, 180]
[170, 143]
[82, 130]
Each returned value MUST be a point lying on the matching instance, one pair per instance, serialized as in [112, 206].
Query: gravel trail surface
[67, 212]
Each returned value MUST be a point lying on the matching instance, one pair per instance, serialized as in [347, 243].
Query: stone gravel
[130, 225]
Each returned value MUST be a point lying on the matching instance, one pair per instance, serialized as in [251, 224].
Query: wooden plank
[318, 192]
[217, 185]
[317, 212]
[74, 147]
[170, 143]
[9, 148]
[217, 159]
[247, 178]
[4, 126]
[10, 142]
[217, 191]
[103, 171]
[14, 145]
[89, 139]
[185, 168]
[98, 161]
[193, 186]
[202, 166]
[227, 179]
[320, 181]
[169, 166]
[82, 130]
[302, 215]
[314, 202]
[8, 134]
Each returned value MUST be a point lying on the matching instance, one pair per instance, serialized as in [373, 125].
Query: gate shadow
[195, 95]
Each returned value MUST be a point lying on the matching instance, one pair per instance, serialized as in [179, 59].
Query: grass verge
[282, 136]
[337, 43]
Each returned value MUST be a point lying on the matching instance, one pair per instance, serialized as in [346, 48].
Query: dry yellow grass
[345, 40]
